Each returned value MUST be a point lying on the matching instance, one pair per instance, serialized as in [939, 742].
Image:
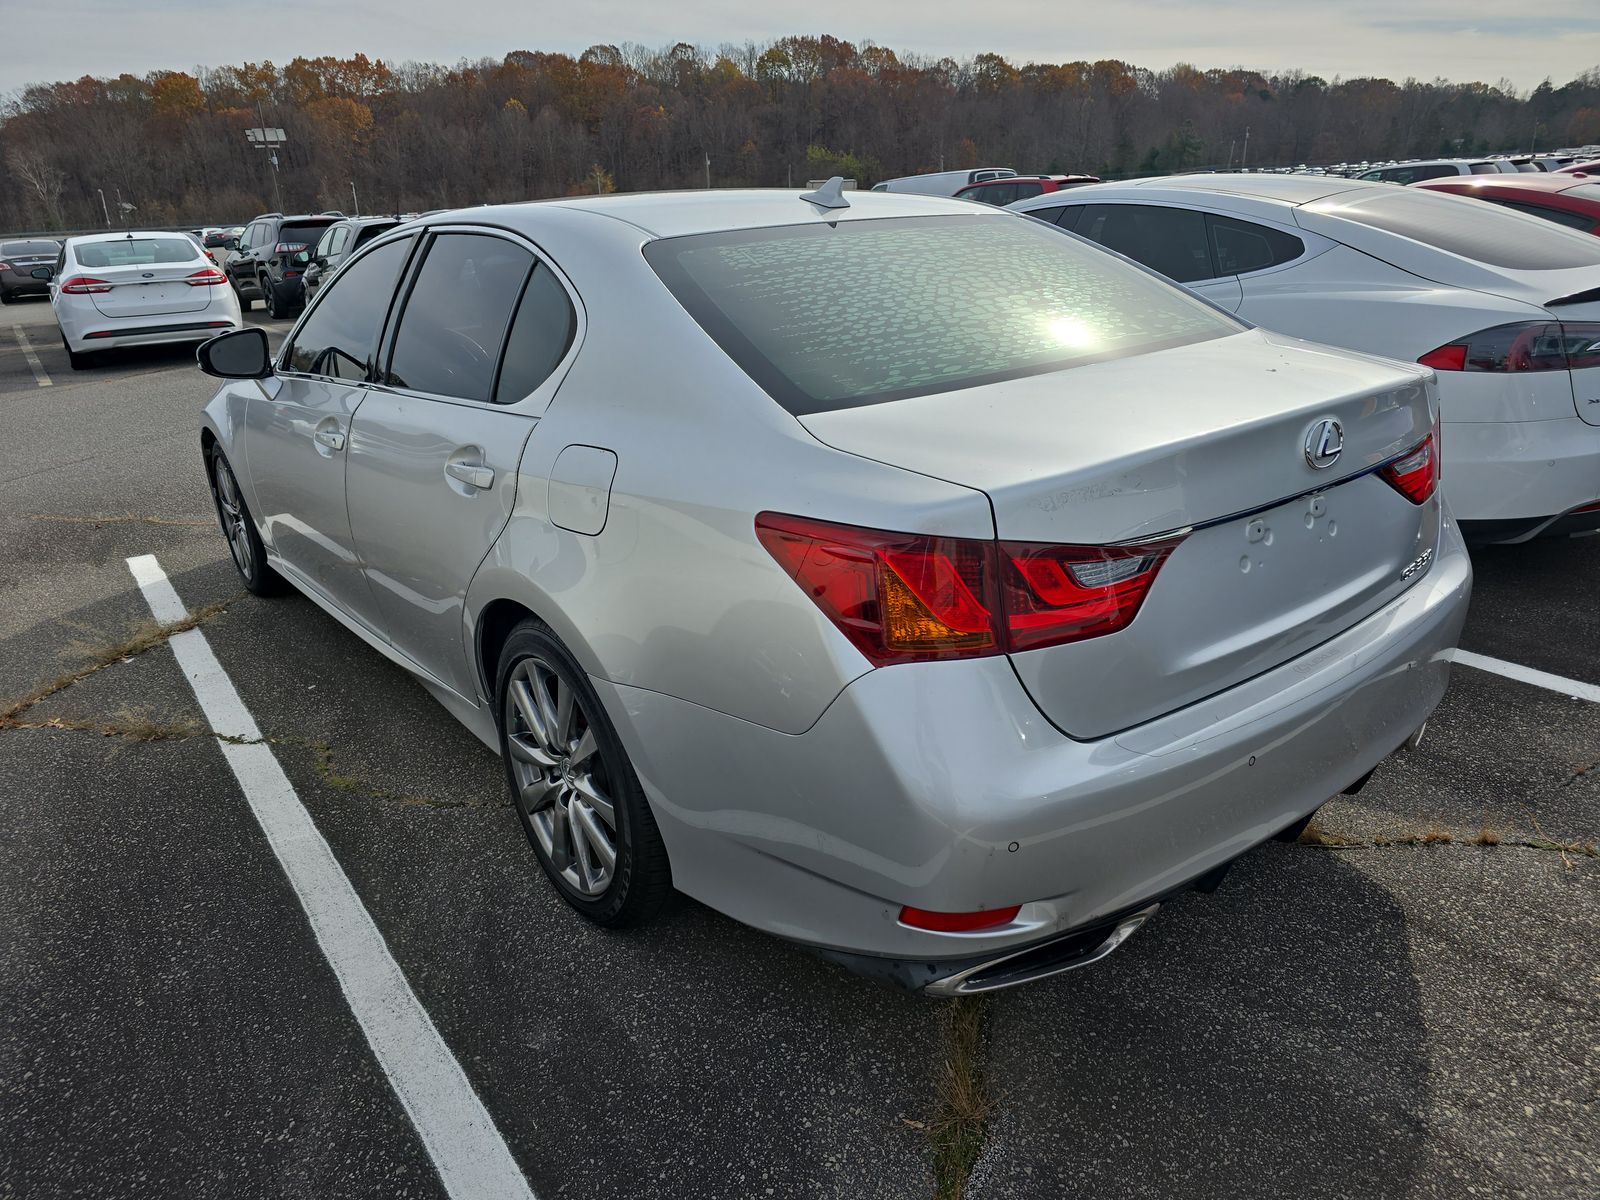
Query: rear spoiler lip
[1588, 296]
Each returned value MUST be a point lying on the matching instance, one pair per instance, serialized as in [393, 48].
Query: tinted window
[540, 334]
[1070, 216]
[1484, 168]
[1560, 216]
[1025, 190]
[367, 232]
[1169, 240]
[1242, 246]
[1482, 232]
[341, 334]
[968, 193]
[27, 249]
[1048, 215]
[325, 246]
[996, 193]
[1438, 171]
[303, 235]
[835, 316]
[136, 252]
[455, 319]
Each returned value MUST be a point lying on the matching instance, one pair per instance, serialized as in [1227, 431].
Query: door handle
[470, 474]
[331, 438]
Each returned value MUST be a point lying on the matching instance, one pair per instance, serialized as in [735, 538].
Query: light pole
[708, 172]
[355, 199]
[103, 207]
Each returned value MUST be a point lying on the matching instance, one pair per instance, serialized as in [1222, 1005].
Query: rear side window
[540, 334]
[1438, 171]
[1482, 232]
[135, 252]
[864, 311]
[1243, 246]
[456, 315]
[1048, 215]
[1485, 168]
[1027, 190]
[340, 335]
[1170, 240]
[367, 232]
[1560, 216]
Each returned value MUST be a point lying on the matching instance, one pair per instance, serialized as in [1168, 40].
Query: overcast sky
[47, 40]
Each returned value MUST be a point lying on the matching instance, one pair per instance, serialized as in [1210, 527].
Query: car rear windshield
[1482, 232]
[21, 249]
[306, 233]
[135, 252]
[830, 316]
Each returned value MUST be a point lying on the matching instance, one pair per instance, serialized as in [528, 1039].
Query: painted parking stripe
[1555, 683]
[37, 367]
[457, 1131]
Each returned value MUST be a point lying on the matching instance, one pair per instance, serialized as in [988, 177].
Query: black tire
[275, 307]
[244, 543]
[640, 880]
[5, 297]
[76, 360]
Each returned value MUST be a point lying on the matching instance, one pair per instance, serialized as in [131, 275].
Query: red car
[1570, 200]
[1021, 187]
[1585, 168]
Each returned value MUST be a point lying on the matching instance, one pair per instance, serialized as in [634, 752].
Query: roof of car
[1028, 179]
[121, 234]
[1522, 181]
[1285, 189]
[678, 214]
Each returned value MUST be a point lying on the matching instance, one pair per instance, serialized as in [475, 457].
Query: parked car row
[1504, 308]
[927, 585]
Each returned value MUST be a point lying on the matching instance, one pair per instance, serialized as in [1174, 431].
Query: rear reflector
[905, 597]
[1529, 346]
[1415, 474]
[944, 922]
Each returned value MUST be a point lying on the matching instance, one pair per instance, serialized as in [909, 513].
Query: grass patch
[127, 725]
[956, 1132]
[146, 637]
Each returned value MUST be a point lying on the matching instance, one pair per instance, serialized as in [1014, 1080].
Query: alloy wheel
[231, 509]
[560, 776]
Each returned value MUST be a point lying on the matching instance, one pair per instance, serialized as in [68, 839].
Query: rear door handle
[471, 474]
[331, 438]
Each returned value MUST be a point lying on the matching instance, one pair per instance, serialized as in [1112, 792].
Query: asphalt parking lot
[1404, 1005]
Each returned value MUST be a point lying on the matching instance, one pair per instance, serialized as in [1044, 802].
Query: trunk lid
[1579, 315]
[150, 290]
[1209, 438]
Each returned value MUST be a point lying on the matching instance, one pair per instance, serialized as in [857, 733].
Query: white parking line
[39, 376]
[1575, 688]
[457, 1131]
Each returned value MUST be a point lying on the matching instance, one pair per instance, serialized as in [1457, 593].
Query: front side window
[136, 252]
[340, 336]
[1243, 246]
[861, 312]
[455, 319]
[1481, 232]
[1170, 240]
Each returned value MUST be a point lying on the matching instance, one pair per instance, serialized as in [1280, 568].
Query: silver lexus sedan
[888, 572]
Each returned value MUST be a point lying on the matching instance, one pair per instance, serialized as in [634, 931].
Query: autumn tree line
[417, 136]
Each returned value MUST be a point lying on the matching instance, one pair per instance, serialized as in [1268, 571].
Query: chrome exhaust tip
[1042, 960]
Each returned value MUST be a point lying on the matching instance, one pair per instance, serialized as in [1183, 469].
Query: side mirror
[42, 273]
[237, 354]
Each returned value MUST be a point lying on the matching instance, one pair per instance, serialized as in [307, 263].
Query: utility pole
[1232, 146]
[1244, 156]
[355, 198]
[103, 207]
[272, 157]
[708, 172]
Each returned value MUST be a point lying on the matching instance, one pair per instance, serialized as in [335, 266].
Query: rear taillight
[5, 266]
[84, 285]
[288, 247]
[205, 277]
[1415, 474]
[902, 597]
[1529, 346]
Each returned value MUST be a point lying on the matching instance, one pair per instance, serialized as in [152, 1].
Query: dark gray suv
[263, 265]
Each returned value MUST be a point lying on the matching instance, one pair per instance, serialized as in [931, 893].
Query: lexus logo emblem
[1324, 441]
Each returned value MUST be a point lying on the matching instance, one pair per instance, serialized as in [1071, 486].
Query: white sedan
[1505, 307]
[137, 289]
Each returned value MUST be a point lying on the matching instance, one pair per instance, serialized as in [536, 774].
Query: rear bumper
[144, 334]
[1511, 477]
[940, 785]
[24, 287]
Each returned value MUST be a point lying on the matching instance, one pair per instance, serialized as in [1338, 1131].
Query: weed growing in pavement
[1436, 836]
[956, 1130]
[127, 725]
[147, 637]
